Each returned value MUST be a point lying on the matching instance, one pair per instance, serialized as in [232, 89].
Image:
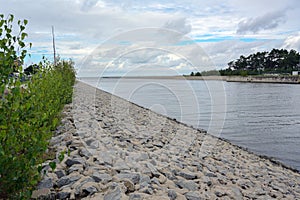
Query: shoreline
[203, 131]
[122, 150]
[246, 79]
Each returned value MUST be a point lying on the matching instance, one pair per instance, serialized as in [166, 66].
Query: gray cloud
[179, 25]
[265, 22]
[88, 4]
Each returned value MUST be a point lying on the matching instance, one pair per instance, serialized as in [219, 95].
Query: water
[265, 118]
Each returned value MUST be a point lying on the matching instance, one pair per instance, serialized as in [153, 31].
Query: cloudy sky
[160, 37]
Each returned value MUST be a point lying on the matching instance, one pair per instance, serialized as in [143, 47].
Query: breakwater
[265, 79]
[118, 150]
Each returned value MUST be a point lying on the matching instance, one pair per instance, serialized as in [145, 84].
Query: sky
[160, 37]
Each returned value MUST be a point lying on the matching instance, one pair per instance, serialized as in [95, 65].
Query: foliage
[210, 73]
[29, 111]
[195, 74]
[277, 61]
[32, 69]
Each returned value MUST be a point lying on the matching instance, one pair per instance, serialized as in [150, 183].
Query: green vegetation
[29, 110]
[277, 61]
[196, 74]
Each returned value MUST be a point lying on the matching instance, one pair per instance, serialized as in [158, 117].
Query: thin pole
[53, 40]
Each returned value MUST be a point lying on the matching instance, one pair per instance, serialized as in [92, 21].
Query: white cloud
[292, 42]
[264, 22]
[83, 25]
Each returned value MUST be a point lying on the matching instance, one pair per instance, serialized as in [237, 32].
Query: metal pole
[53, 41]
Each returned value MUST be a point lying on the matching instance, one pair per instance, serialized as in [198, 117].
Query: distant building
[295, 73]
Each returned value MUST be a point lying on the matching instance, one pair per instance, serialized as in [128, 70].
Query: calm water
[265, 118]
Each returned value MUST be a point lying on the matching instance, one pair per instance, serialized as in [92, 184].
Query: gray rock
[190, 185]
[135, 196]
[237, 193]
[187, 175]
[209, 174]
[69, 162]
[207, 181]
[103, 178]
[121, 165]
[45, 183]
[106, 157]
[172, 194]
[75, 168]
[89, 190]
[145, 178]
[113, 194]
[153, 169]
[147, 190]
[63, 195]
[94, 145]
[84, 153]
[60, 173]
[220, 193]
[134, 177]
[192, 196]
[67, 180]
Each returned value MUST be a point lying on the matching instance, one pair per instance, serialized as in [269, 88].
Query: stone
[60, 173]
[187, 175]
[155, 181]
[45, 183]
[121, 165]
[236, 193]
[88, 189]
[153, 169]
[134, 177]
[144, 181]
[69, 162]
[41, 193]
[94, 145]
[128, 184]
[190, 185]
[192, 196]
[209, 174]
[135, 196]
[162, 179]
[207, 181]
[113, 194]
[106, 157]
[103, 178]
[63, 195]
[75, 167]
[66, 180]
[172, 194]
[83, 152]
[147, 190]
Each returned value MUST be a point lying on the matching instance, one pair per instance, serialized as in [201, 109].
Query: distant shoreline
[248, 79]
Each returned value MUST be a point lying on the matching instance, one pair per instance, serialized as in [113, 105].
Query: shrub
[29, 111]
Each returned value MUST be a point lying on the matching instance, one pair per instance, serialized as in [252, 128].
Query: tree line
[277, 61]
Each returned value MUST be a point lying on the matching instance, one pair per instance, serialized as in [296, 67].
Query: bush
[29, 111]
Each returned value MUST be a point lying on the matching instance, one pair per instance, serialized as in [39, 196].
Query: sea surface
[264, 118]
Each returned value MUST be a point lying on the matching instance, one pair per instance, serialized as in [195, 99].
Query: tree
[198, 74]
[31, 69]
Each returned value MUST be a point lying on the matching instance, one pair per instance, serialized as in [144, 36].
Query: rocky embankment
[265, 79]
[118, 150]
